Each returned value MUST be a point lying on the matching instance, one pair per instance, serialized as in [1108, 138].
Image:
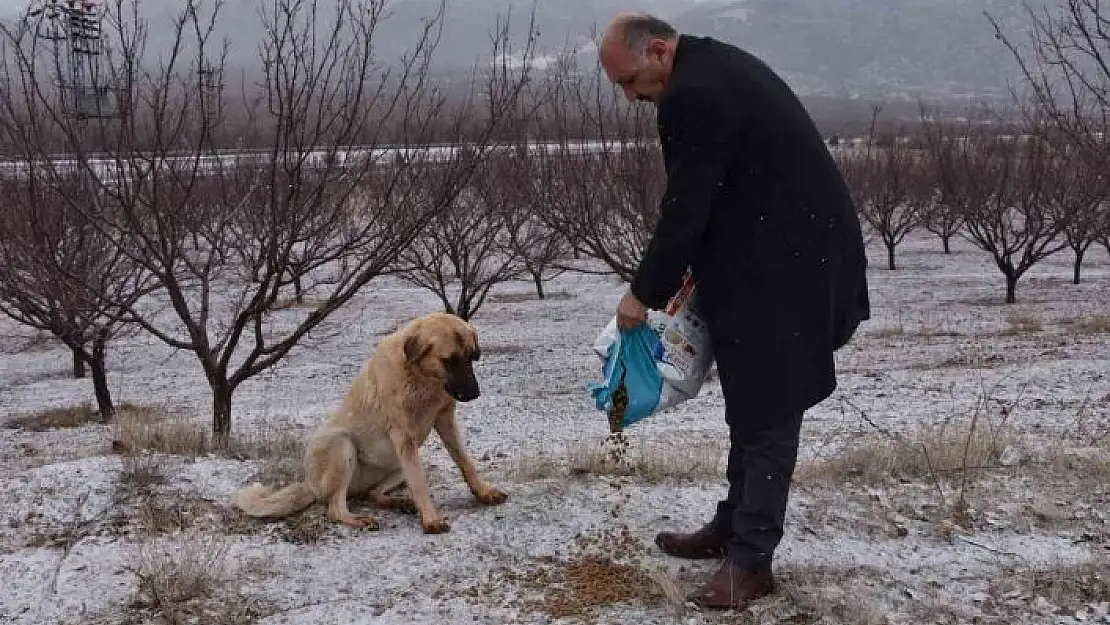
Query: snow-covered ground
[82, 541]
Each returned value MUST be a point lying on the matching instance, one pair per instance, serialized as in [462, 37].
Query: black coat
[756, 206]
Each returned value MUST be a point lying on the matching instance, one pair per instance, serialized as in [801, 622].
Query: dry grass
[925, 331]
[889, 332]
[504, 349]
[151, 430]
[56, 418]
[28, 343]
[1094, 324]
[142, 471]
[1022, 323]
[851, 596]
[650, 461]
[307, 303]
[189, 583]
[518, 297]
[813, 594]
[1092, 466]
[1069, 589]
[927, 452]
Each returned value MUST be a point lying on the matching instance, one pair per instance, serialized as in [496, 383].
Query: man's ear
[415, 349]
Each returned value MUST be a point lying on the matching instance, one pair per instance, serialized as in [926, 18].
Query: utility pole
[84, 91]
[74, 28]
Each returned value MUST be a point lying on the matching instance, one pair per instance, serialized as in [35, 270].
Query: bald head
[637, 52]
[634, 30]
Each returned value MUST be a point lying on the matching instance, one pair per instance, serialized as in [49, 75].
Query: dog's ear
[415, 349]
[464, 347]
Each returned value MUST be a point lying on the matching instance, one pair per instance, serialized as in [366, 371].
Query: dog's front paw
[437, 525]
[360, 521]
[491, 496]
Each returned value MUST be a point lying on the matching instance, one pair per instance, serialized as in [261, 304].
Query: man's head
[637, 52]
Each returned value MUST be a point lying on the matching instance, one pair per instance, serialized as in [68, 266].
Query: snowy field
[960, 473]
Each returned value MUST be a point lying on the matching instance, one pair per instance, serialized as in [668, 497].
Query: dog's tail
[266, 502]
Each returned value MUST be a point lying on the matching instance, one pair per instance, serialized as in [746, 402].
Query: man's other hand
[630, 312]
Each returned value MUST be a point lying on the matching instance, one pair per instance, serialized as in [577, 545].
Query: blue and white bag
[661, 364]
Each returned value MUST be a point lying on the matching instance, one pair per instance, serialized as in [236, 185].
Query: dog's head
[444, 347]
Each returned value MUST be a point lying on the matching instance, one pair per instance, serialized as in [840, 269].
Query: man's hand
[630, 312]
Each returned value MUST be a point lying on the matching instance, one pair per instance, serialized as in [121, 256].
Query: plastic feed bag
[633, 385]
[655, 366]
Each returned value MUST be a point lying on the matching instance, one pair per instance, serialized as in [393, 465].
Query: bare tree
[943, 219]
[1104, 238]
[855, 168]
[889, 190]
[53, 265]
[942, 215]
[465, 249]
[226, 237]
[1008, 214]
[602, 197]
[538, 249]
[1077, 196]
[1068, 71]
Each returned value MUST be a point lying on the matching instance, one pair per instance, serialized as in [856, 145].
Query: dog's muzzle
[464, 395]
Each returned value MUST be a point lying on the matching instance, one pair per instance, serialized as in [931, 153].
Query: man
[756, 207]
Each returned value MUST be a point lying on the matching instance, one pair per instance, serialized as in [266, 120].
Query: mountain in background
[886, 49]
[876, 48]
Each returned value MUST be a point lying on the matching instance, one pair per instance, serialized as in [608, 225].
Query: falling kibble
[620, 405]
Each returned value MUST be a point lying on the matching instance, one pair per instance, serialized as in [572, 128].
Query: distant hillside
[838, 48]
[870, 47]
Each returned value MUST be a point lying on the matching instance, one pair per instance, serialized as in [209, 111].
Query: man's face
[642, 80]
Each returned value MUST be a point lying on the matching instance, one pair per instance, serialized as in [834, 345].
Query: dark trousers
[762, 455]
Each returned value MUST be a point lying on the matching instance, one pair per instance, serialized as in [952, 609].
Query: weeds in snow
[188, 583]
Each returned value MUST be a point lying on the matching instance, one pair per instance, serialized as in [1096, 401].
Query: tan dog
[370, 446]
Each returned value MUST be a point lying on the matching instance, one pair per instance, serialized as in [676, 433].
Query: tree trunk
[1077, 270]
[78, 364]
[537, 277]
[946, 241]
[100, 385]
[221, 410]
[891, 265]
[462, 311]
[298, 290]
[1011, 288]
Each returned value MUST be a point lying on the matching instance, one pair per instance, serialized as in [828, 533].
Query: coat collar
[681, 51]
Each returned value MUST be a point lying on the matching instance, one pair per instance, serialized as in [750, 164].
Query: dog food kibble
[603, 569]
[620, 404]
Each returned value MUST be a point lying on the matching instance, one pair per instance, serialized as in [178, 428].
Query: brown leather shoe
[733, 588]
[703, 544]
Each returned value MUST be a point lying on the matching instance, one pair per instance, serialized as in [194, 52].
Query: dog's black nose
[467, 395]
